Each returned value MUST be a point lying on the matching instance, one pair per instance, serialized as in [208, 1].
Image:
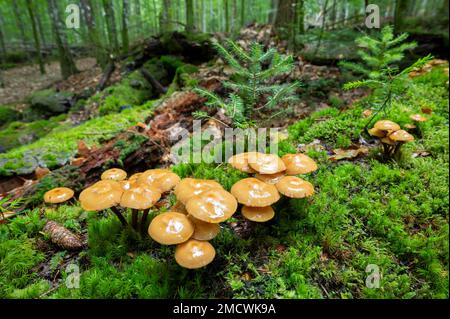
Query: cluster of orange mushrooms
[391, 136]
[201, 204]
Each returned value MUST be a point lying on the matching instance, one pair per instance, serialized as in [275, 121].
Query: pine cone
[62, 237]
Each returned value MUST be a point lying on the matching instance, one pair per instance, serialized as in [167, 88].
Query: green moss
[7, 115]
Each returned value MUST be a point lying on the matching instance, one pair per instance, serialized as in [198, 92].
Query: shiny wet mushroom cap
[140, 197]
[376, 132]
[270, 178]
[258, 214]
[190, 187]
[418, 118]
[295, 187]
[298, 164]
[163, 179]
[194, 254]
[387, 140]
[212, 206]
[102, 195]
[255, 193]
[170, 228]
[266, 163]
[240, 161]
[58, 195]
[204, 230]
[386, 125]
[114, 174]
[401, 136]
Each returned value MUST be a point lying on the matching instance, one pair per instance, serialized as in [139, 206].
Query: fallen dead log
[153, 82]
[105, 77]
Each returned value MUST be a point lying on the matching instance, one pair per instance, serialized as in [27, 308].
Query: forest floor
[368, 212]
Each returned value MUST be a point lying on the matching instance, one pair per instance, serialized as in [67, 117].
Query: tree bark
[37, 42]
[2, 40]
[285, 16]
[108, 6]
[66, 61]
[19, 22]
[125, 38]
[138, 16]
[189, 15]
[400, 7]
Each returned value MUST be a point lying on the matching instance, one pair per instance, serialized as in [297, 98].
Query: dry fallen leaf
[367, 113]
[341, 154]
[426, 110]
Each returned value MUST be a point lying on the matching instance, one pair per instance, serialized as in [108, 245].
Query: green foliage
[255, 71]
[7, 114]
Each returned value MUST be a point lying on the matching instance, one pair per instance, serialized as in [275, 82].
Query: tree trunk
[242, 13]
[19, 22]
[125, 39]
[108, 6]
[2, 40]
[285, 16]
[138, 16]
[227, 21]
[301, 16]
[166, 17]
[95, 43]
[66, 61]
[234, 26]
[203, 12]
[41, 28]
[189, 15]
[400, 7]
[37, 42]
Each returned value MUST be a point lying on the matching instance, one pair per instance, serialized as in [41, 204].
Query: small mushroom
[266, 163]
[114, 174]
[295, 187]
[171, 228]
[212, 206]
[102, 195]
[204, 230]
[255, 193]
[258, 214]
[194, 254]
[410, 126]
[401, 136]
[386, 125]
[58, 195]
[377, 133]
[240, 162]
[189, 187]
[418, 118]
[270, 178]
[163, 179]
[298, 164]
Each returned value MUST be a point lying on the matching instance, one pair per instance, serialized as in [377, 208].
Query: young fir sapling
[253, 85]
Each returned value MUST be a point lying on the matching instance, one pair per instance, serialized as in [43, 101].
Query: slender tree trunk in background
[333, 13]
[37, 42]
[125, 39]
[322, 29]
[189, 15]
[19, 22]
[400, 8]
[226, 12]
[94, 40]
[155, 17]
[234, 24]
[203, 12]
[242, 13]
[108, 6]
[166, 17]
[66, 61]
[211, 25]
[2, 40]
[301, 16]
[285, 16]
[41, 28]
[138, 16]
[273, 11]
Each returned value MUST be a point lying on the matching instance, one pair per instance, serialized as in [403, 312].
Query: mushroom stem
[119, 215]
[144, 220]
[134, 218]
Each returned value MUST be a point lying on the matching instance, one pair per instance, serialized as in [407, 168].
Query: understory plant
[253, 86]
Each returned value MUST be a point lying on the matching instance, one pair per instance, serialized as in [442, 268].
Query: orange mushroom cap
[163, 179]
[270, 178]
[194, 254]
[266, 163]
[298, 164]
[255, 193]
[240, 161]
[204, 230]
[140, 197]
[295, 187]
[102, 195]
[386, 125]
[401, 136]
[115, 174]
[58, 195]
[387, 140]
[376, 132]
[189, 187]
[258, 214]
[418, 118]
[410, 126]
[212, 206]
[170, 228]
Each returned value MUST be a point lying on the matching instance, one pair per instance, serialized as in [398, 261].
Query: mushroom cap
[163, 179]
[135, 177]
[295, 187]
[418, 118]
[401, 136]
[189, 187]
[258, 214]
[386, 125]
[212, 206]
[387, 140]
[376, 132]
[58, 195]
[101, 195]
[240, 161]
[410, 126]
[170, 228]
[114, 174]
[255, 193]
[266, 163]
[204, 230]
[194, 254]
[270, 178]
[298, 164]
[142, 196]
